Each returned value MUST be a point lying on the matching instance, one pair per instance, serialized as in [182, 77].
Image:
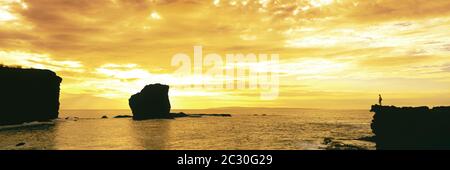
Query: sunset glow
[332, 53]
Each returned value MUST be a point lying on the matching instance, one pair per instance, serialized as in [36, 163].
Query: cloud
[324, 45]
[42, 61]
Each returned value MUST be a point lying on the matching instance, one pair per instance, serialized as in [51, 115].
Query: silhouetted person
[380, 99]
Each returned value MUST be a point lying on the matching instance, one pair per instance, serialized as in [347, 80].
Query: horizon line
[237, 107]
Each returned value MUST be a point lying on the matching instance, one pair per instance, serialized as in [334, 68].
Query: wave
[28, 124]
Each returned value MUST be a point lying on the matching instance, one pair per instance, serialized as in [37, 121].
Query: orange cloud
[329, 49]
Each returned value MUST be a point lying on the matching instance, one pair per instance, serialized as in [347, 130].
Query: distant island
[28, 95]
[411, 127]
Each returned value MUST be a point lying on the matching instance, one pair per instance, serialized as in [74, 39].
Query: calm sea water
[248, 128]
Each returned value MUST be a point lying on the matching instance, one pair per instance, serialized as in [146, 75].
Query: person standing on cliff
[380, 99]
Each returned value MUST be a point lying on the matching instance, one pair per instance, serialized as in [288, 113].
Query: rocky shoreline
[411, 127]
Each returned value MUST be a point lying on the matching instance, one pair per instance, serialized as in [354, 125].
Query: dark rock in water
[367, 138]
[20, 144]
[72, 118]
[105, 117]
[151, 103]
[122, 116]
[343, 146]
[411, 127]
[28, 95]
[327, 141]
[332, 144]
[177, 115]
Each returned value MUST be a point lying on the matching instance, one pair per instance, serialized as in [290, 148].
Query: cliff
[151, 103]
[28, 95]
[411, 127]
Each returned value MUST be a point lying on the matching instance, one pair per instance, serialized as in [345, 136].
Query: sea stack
[151, 103]
[411, 127]
[28, 95]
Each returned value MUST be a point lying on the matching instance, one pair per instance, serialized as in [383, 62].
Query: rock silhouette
[181, 115]
[411, 127]
[20, 144]
[122, 116]
[151, 103]
[332, 144]
[28, 95]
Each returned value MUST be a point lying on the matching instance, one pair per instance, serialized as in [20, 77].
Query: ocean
[247, 129]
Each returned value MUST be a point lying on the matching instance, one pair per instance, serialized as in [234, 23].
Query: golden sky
[333, 53]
